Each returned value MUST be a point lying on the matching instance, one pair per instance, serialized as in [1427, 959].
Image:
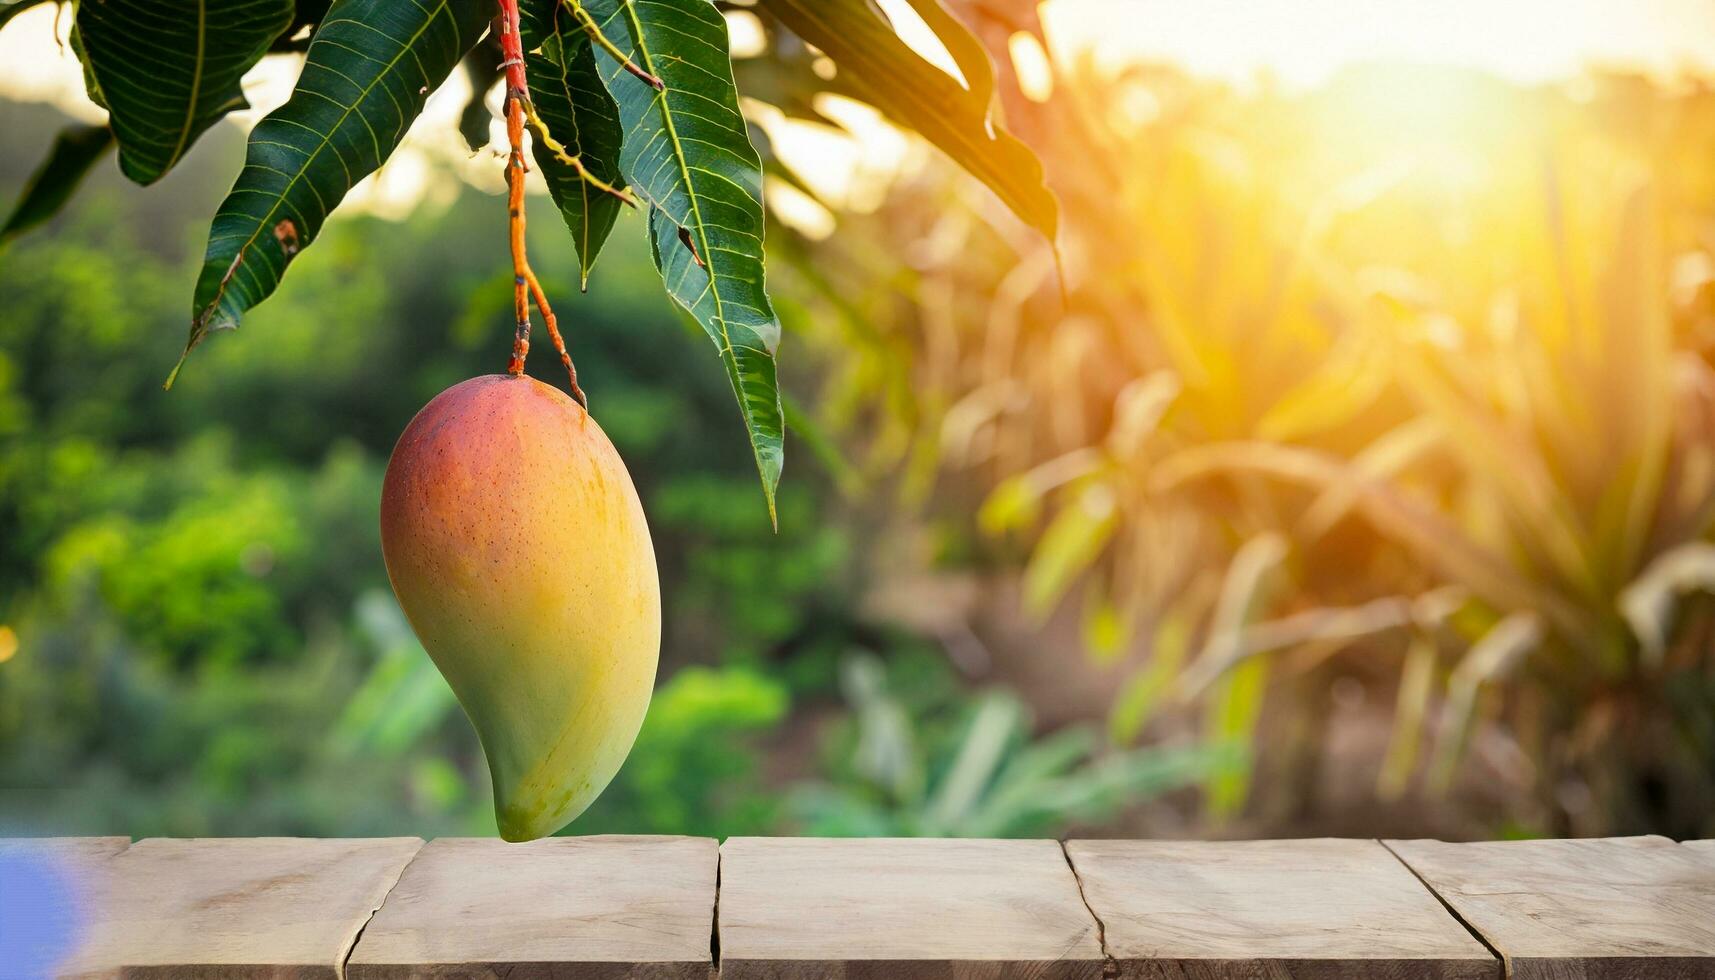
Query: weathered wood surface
[281, 908]
[1300, 909]
[80, 861]
[1638, 908]
[591, 908]
[809, 909]
[806, 909]
[83, 850]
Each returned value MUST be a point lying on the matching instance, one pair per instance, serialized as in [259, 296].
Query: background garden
[1350, 471]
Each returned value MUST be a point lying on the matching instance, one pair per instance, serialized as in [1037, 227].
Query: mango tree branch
[525, 286]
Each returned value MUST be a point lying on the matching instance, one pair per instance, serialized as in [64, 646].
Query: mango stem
[525, 285]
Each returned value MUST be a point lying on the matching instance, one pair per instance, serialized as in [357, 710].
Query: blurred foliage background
[1350, 472]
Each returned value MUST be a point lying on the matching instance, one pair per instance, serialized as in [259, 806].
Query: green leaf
[687, 154]
[1230, 721]
[567, 90]
[169, 69]
[1072, 542]
[482, 68]
[369, 70]
[75, 151]
[879, 68]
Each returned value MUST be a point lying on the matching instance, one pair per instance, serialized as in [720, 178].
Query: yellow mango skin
[518, 549]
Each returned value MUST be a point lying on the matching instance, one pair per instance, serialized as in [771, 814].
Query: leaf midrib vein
[196, 86]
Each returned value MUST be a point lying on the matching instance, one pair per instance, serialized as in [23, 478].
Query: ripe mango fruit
[518, 549]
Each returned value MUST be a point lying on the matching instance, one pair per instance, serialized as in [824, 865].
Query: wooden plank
[809, 909]
[1300, 909]
[84, 850]
[275, 907]
[1614, 909]
[594, 908]
[55, 887]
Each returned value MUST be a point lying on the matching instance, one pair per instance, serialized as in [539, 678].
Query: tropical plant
[942, 764]
[630, 104]
[1409, 376]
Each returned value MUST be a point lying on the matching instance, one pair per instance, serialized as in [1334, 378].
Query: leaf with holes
[687, 154]
[369, 70]
[566, 88]
[167, 70]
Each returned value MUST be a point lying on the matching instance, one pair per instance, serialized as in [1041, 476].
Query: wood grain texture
[1614, 909]
[817, 909]
[590, 908]
[83, 849]
[1702, 847]
[1298, 909]
[274, 907]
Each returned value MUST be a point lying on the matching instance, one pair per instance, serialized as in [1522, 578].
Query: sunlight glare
[1304, 43]
[919, 37]
[797, 210]
[1030, 64]
[745, 36]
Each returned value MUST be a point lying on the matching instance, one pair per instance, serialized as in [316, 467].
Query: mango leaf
[368, 72]
[566, 87]
[76, 149]
[482, 69]
[687, 154]
[169, 69]
[882, 70]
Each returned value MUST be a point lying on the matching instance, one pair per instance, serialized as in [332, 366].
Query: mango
[518, 549]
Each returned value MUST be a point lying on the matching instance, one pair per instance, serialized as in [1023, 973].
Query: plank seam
[1110, 966]
[357, 937]
[1477, 934]
[715, 923]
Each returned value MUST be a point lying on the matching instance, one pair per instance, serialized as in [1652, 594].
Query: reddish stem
[525, 286]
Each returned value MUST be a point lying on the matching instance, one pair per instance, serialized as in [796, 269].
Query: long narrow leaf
[169, 69]
[1490, 659]
[369, 70]
[1395, 514]
[1416, 686]
[76, 149]
[1650, 601]
[879, 68]
[687, 154]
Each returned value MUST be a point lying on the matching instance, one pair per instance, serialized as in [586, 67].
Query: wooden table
[1630, 908]
[1325, 909]
[676, 908]
[602, 908]
[809, 908]
[240, 907]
